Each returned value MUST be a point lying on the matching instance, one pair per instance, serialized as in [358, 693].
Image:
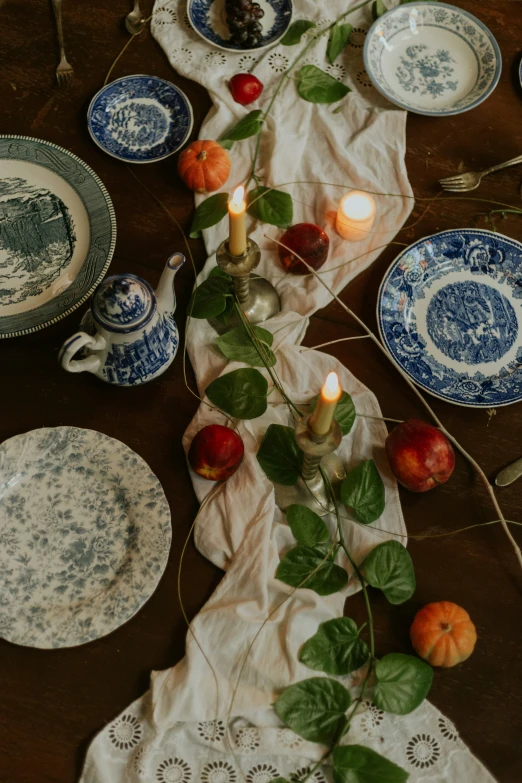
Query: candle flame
[331, 388]
[238, 197]
[358, 206]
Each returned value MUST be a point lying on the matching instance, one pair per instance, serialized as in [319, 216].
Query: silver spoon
[509, 474]
[134, 21]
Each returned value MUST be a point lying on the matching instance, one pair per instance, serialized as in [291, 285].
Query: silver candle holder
[318, 450]
[257, 297]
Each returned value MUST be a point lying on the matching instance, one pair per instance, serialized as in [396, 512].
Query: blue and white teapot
[130, 334]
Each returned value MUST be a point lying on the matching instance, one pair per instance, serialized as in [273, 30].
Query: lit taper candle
[322, 417]
[237, 235]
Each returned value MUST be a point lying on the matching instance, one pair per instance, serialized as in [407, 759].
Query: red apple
[245, 88]
[308, 241]
[420, 456]
[216, 452]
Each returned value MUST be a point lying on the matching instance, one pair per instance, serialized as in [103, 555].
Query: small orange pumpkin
[443, 634]
[204, 166]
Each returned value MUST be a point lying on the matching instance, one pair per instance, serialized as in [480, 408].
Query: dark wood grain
[53, 702]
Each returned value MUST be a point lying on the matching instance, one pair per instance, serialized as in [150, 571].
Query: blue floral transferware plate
[450, 313]
[432, 58]
[84, 536]
[57, 233]
[207, 17]
[140, 119]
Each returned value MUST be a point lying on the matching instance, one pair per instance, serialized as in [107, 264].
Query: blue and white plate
[57, 233]
[432, 58]
[84, 536]
[140, 119]
[450, 313]
[207, 17]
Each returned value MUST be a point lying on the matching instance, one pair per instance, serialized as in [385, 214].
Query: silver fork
[461, 183]
[64, 71]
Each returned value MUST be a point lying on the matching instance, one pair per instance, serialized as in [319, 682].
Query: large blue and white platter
[57, 233]
[140, 119]
[207, 17]
[84, 536]
[450, 313]
[432, 58]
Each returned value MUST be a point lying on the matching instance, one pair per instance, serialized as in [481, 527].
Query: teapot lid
[123, 303]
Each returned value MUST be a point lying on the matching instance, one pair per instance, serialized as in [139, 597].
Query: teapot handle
[74, 344]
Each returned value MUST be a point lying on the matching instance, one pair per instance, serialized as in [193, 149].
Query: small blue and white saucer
[450, 313]
[207, 17]
[432, 58]
[140, 119]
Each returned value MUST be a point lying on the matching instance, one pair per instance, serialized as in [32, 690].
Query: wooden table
[53, 702]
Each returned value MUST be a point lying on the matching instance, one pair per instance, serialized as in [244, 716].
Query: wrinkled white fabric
[209, 718]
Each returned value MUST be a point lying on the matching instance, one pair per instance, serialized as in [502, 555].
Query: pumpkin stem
[202, 155]
[445, 627]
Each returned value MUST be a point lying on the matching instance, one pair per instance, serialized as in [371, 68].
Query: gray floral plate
[432, 58]
[57, 233]
[84, 536]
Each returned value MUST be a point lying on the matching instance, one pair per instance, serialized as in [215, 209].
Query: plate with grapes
[240, 25]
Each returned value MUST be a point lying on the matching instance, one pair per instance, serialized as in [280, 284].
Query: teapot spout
[165, 291]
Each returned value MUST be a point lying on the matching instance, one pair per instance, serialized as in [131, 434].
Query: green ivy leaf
[208, 213]
[378, 9]
[339, 37]
[403, 682]
[390, 568]
[344, 412]
[280, 456]
[302, 563]
[315, 709]
[227, 144]
[363, 491]
[209, 298]
[316, 86]
[357, 764]
[335, 648]
[238, 346]
[270, 206]
[296, 31]
[240, 393]
[307, 526]
[248, 126]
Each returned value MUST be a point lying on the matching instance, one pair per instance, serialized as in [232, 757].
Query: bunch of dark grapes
[242, 18]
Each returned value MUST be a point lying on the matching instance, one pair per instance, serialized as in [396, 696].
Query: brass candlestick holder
[257, 297]
[318, 450]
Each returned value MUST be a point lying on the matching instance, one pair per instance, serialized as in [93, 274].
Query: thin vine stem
[461, 449]
[286, 75]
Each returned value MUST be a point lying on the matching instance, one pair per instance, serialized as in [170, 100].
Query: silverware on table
[64, 71]
[509, 474]
[461, 183]
[134, 21]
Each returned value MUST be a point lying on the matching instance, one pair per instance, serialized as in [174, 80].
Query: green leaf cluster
[312, 567]
[240, 393]
[280, 456]
[210, 212]
[239, 346]
[317, 86]
[210, 297]
[270, 206]
[363, 491]
[339, 37]
[296, 31]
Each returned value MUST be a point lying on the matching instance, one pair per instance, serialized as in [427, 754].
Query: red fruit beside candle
[216, 452]
[420, 456]
[308, 241]
[245, 88]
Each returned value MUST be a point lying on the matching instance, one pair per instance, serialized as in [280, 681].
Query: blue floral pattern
[425, 73]
[84, 536]
[449, 306]
[140, 119]
[432, 70]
